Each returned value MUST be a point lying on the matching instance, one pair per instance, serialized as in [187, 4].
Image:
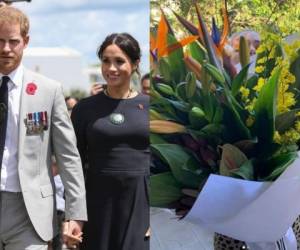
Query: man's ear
[26, 40]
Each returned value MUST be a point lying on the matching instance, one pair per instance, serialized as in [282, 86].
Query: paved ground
[170, 234]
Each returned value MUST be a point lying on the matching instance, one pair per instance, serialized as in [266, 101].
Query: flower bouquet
[224, 143]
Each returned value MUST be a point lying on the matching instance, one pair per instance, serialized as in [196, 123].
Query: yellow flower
[259, 69]
[261, 48]
[289, 137]
[272, 52]
[285, 102]
[277, 137]
[250, 105]
[260, 84]
[262, 60]
[245, 92]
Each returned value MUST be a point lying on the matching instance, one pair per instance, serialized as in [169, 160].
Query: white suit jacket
[34, 153]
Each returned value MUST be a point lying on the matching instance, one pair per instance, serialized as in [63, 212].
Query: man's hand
[72, 233]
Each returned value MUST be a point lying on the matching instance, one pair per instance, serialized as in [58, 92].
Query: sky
[84, 24]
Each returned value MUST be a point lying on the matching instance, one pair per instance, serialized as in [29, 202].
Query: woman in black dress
[112, 130]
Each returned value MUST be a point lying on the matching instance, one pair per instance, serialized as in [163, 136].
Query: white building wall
[61, 64]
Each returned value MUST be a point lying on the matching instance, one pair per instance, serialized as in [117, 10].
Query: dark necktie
[3, 113]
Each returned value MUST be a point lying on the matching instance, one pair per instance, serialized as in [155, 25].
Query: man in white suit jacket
[35, 125]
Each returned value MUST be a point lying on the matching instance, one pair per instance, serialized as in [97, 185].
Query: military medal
[116, 118]
[36, 122]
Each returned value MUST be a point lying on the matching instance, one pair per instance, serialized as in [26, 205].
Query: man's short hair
[11, 15]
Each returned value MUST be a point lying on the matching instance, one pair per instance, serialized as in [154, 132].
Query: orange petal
[162, 33]
[168, 50]
[226, 25]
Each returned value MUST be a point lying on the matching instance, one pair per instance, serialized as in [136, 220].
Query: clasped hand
[72, 233]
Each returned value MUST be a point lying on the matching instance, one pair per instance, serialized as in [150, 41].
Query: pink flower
[31, 88]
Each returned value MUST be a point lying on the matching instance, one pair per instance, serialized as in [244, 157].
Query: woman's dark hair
[125, 42]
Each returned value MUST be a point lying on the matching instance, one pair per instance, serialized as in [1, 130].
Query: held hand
[72, 234]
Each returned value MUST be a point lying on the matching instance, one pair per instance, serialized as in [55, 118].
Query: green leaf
[165, 69]
[209, 104]
[179, 160]
[197, 51]
[275, 166]
[265, 111]
[156, 139]
[246, 171]
[232, 158]
[190, 84]
[181, 91]
[294, 69]
[180, 105]
[177, 66]
[252, 81]
[215, 73]
[236, 129]
[239, 80]
[286, 120]
[213, 129]
[218, 115]
[164, 190]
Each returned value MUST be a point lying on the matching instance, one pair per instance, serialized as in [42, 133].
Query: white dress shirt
[59, 193]
[9, 171]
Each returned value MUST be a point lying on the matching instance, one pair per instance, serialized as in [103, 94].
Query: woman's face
[116, 66]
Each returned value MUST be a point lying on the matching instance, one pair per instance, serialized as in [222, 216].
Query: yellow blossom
[285, 102]
[250, 105]
[259, 69]
[272, 52]
[260, 49]
[262, 60]
[277, 137]
[289, 137]
[245, 92]
[260, 84]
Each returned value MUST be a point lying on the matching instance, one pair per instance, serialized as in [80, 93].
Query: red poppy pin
[31, 88]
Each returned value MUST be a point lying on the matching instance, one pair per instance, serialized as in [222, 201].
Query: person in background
[253, 39]
[112, 130]
[145, 84]
[39, 126]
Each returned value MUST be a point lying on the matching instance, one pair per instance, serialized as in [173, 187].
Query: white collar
[16, 76]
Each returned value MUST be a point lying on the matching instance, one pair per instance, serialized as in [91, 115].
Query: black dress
[116, 149]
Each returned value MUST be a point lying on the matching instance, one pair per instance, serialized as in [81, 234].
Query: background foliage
[280, 16]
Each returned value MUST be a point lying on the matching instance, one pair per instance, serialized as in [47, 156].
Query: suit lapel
[24, 107]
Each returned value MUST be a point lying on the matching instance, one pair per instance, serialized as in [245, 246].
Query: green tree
[78, 93]
[280, 16]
